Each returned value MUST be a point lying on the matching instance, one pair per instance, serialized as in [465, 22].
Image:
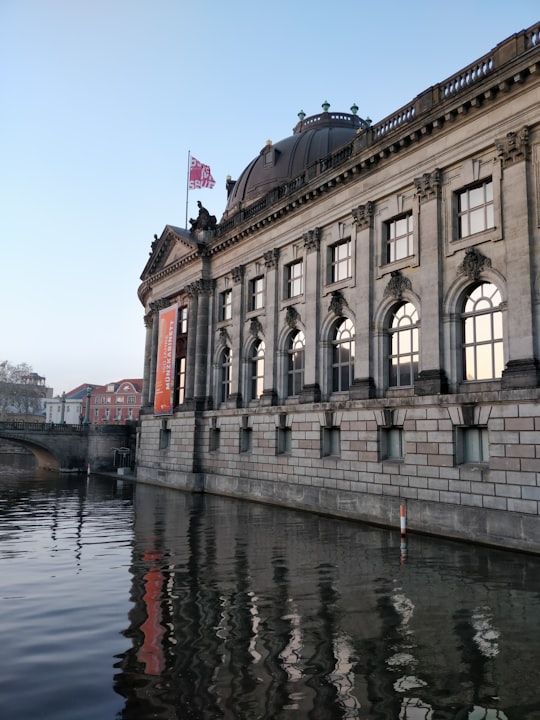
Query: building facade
[360, 330]
[113, 404]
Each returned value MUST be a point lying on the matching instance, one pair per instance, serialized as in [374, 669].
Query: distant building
[362, 327]
[113, 404]
[116, 403]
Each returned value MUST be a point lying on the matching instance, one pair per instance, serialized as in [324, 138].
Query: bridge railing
[24, 426]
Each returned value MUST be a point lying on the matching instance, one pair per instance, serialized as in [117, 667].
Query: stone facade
[366, 334]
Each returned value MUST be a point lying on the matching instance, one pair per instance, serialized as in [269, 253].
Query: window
[118, 413]
[330, 441]
[131, 400]
[181, 379]
[246, 439]
[225, 305]
[343, 356]
[107, 414]
[475, 209]
[295, 279]
[482, 333]
[120, 399]
[164, 435]
[256, 293]
[130, 414]
[392, 443]
[257, 369]
[399, 238]
[472, 445]
[296, 363]
[284, 440]
[403, 356]
[340, 261]
[225, 374]
[215, 438]
[182, 319]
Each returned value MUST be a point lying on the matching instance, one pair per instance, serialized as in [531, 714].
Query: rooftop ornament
[325, 106]
[301, 115]
[354, 109]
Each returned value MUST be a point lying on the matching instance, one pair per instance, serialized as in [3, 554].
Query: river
[131, 602]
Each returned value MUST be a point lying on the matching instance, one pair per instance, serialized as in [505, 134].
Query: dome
[313, 138]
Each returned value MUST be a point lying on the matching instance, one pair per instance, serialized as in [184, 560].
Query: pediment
[174, 245]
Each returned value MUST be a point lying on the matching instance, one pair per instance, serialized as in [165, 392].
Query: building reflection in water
[247, 611]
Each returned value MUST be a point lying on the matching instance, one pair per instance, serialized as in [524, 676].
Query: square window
[256, 293]
[330, 441]
[392, 443]
[295, 279]
[475, 209]
[399, 238]
[225, 305]
[246, 439]
[472, 445]
[284, 440]
[340, 261]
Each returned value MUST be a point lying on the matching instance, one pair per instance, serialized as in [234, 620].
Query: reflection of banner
[163, 397]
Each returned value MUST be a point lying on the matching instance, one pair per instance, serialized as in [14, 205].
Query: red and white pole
[403, 519]
[88, 470]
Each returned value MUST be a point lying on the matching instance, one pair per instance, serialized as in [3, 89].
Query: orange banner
[163, 396]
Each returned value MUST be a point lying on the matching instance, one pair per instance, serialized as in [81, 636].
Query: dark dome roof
[314, 138]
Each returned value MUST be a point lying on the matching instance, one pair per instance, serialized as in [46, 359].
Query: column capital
[428, 186]
[312, 239]
[514, 147]
[363, 215]
[271, 258]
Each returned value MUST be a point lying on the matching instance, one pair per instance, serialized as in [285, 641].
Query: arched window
[482, 333]
[403, 355]
[257, 369]
[296, 363]
[343, 355]
[225, 374]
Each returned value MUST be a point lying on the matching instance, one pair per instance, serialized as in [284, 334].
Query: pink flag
[200, 175]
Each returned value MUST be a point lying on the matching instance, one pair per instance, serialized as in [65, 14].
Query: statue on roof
[204, 221]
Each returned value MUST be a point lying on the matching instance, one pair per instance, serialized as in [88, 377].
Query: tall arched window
[343, 355]
[482, 333]
[225, 374]
[257, 369]
[296, 363]
[403, 355]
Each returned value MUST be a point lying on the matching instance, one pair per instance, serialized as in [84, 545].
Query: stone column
[148, 323]
[269, 396]
[201, 389]
[237, 336]
[311, 392]
[522, 370]
[431, 378]
[193, 306]
[363, 386]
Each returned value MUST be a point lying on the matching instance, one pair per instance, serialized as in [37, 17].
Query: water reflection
[245, 611]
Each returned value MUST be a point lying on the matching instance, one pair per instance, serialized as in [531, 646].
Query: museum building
[360, 330]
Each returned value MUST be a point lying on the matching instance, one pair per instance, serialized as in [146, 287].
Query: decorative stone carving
[363, 215]
[337, 303]
[292, 317]
[158, 305]
[397, 285]
[255, 327]
[237, 273]
[224, 337]
[271, 258]
[148, 320]
[514, 147]
[473, 263]
[204, 221]
[312, 239]
[429, 185]
[201, 287]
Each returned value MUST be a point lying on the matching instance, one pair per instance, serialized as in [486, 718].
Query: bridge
[71, 448]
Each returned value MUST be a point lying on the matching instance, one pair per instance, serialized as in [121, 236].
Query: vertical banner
[163, 396]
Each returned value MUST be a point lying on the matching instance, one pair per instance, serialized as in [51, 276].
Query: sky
[102, 100]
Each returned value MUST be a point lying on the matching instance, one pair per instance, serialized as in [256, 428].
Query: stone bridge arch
[46, 460]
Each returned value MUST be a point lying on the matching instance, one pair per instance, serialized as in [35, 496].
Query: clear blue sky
[101, 100]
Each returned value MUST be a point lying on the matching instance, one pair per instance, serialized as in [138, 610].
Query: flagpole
[187, 184]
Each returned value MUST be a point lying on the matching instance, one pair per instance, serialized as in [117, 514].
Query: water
[139, 602]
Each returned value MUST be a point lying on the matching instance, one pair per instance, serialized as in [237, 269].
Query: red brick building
[116, 403]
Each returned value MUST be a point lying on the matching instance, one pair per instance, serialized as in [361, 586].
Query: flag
[200, 175]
